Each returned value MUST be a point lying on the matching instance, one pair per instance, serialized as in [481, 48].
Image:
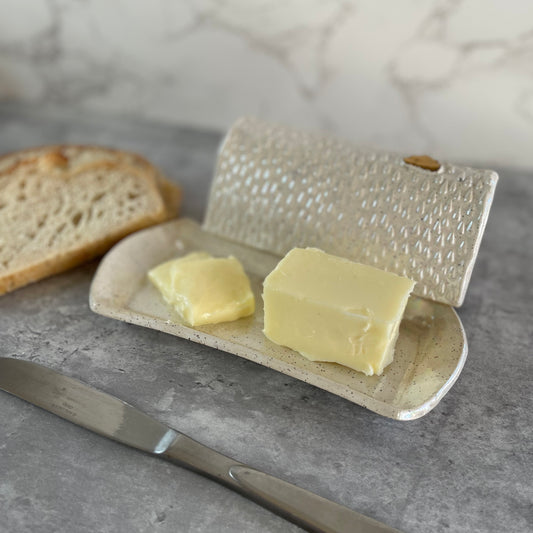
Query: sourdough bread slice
[80, 156]
[63, 205]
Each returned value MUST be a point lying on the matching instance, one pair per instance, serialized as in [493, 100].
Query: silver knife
[100, 412]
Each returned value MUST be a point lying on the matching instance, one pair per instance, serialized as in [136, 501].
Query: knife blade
[111, 417]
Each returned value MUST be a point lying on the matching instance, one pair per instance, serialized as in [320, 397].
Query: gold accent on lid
[423, 161]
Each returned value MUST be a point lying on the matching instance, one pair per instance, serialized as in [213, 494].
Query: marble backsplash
[450, 78]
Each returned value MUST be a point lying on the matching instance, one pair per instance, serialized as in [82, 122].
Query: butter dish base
[429, 355]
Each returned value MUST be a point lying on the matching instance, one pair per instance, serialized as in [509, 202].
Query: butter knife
[108, 416]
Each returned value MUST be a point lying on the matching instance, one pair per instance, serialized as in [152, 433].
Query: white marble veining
[452, 78]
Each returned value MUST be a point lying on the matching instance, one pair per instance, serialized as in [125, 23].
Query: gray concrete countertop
[466, 466]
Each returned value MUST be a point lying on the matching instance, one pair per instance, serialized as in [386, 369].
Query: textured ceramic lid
[276, 188]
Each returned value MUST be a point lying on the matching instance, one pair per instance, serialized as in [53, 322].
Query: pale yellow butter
[331, 309]
[205, 289]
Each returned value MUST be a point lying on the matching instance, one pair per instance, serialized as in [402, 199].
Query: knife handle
[308, 510]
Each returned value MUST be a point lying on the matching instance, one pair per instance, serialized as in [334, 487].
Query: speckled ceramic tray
[430, 351]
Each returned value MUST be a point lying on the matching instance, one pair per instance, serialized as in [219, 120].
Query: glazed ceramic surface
[430, 351]
[276, 187]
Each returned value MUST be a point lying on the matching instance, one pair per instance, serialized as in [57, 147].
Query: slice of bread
[63, 205]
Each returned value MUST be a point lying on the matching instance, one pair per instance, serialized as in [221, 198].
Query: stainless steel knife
[100, 412]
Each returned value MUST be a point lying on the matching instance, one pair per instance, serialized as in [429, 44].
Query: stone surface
[450, 78]
[464, 467]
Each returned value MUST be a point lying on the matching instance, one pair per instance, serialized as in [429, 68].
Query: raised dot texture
[371, 205]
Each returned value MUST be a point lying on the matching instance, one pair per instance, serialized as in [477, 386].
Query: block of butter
[331, 309]
[205, 289]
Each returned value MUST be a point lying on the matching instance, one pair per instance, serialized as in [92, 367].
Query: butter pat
[205, 289]
[332, 309]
